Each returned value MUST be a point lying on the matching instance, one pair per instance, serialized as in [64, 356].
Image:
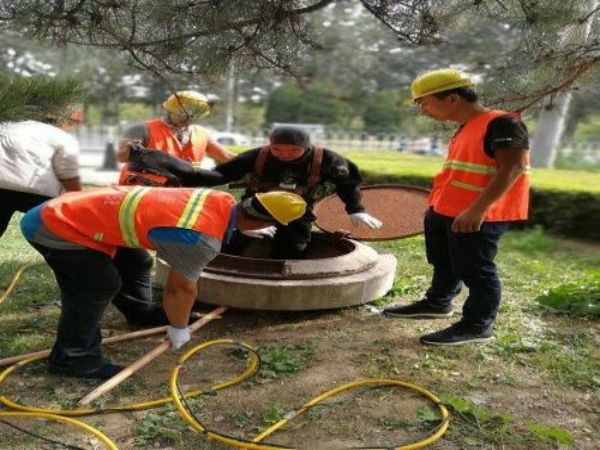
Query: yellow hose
[76, 423]
[254, 445]
[249, 370]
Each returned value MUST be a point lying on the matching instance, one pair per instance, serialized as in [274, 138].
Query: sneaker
[421, 309]
[457, 334]
[105, 371]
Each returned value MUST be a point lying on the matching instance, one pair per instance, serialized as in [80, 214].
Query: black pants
[467, 258]
[12, 201]
[88, 281]
[134, 266]
[291, 240]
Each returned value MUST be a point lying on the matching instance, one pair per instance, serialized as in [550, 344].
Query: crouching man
[78, 235]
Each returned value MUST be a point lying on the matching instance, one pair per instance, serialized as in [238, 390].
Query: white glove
[367, 219]
[261, 232]
[178, 336]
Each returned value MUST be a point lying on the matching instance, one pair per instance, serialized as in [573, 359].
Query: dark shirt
[505, 132]
[345, 182]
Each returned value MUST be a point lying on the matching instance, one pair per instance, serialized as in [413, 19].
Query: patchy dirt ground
[308, 354]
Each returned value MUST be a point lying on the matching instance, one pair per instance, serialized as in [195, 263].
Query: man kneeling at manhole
[78, 235]
[290, 163]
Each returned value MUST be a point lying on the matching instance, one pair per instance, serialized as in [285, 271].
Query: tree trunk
[551, 121]
[550, 126]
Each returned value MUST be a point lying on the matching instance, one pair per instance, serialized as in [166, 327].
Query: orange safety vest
[162, 137]
[467, 172]
[106, 218]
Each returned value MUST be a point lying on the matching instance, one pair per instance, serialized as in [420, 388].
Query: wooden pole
[106, 341]
[146, 359]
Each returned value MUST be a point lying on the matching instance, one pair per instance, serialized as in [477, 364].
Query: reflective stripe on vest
[131, 201]
[193, 208]
[469, 167]
[127, 215]
[467, 186]
[475, 168]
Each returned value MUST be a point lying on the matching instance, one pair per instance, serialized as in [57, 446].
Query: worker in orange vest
[78, 235]
[176, 134]
[482, 188]
[179, 136]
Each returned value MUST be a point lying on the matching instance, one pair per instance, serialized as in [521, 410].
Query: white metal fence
[94, 141]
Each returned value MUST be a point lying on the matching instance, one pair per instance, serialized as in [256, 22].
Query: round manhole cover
[400, 208]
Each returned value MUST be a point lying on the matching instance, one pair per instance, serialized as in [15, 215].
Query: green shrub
[574, 214]
[580, 298]
[570, 213]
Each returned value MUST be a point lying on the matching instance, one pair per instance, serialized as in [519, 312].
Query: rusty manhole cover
[400, 208]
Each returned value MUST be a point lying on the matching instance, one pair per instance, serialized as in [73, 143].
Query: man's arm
[137, 133]
[72, 184]
[512, 163]
[238, 167]
[123, 150]
[179, 295]
[218, 152]
[345, 176]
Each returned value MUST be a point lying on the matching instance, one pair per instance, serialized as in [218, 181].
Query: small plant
[273, 414]
[555, 434]
[166, 426]
[285, 359]
[241, 418]
[479, 423]
[580, 298]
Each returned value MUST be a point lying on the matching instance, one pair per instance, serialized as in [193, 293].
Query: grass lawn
[535, 386]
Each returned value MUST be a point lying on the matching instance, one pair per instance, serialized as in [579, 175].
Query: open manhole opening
[321, 246]
[326, 255]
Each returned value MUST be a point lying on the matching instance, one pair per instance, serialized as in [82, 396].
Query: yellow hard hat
[285, 207]
[190, 103]
[439, 81]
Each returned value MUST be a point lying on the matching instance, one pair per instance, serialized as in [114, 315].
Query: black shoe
[420, 309]
[457, 334]
[105, 371]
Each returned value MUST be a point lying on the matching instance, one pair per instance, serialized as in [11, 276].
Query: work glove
[178, 336]
[261, 232]
[367, 219]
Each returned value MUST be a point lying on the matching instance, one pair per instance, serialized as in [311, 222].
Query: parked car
[230, 138]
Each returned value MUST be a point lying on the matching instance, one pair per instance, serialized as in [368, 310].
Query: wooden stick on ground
[106, 341]
[146, 359]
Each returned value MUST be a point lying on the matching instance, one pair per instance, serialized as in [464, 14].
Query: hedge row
[573, 214]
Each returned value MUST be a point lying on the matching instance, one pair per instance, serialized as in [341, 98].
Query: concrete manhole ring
[337, 273]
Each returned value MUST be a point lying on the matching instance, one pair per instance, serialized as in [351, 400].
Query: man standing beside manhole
[482, 188]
